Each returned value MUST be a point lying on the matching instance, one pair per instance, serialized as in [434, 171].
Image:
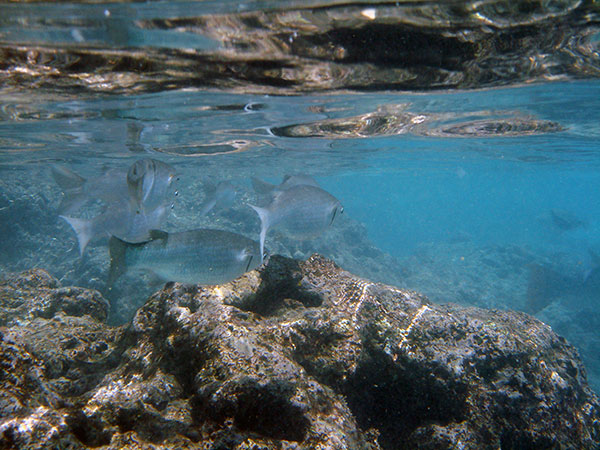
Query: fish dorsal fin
[262, 187]
[156, 235]
[66, 178]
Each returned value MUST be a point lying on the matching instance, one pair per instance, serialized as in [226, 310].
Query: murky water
[463, 146]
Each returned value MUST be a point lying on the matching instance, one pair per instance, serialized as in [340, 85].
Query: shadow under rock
[282, 287]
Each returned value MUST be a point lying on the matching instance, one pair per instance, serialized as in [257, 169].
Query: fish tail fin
[263, 214]
[262, 187]
[72, 186]
[117, 250]
[83, 230]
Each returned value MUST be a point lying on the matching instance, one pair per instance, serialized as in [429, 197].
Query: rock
[35, 293]
[299, 355]
[54, 347]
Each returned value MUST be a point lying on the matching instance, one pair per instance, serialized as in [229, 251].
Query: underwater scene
[300, 225]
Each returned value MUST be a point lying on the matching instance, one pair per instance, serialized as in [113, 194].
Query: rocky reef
[296, 355]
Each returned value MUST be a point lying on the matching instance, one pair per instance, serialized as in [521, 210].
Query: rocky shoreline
[300, 354]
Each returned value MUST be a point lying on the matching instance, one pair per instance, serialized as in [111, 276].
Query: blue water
[494, 202]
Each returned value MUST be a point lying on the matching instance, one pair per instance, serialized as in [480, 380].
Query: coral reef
[299, 354]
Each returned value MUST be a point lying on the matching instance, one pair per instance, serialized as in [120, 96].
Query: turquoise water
[454, 188]
[407, 188]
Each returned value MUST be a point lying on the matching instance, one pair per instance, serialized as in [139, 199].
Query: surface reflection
[294, 48]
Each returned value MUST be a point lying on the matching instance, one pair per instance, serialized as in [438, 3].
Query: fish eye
[176, 193]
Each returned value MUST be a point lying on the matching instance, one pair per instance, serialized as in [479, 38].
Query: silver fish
[302, 211]
[77, 190]
[220, 196]
[119, 220]
[146, 183]
[149, 182]
[202, 256]
[264, 188]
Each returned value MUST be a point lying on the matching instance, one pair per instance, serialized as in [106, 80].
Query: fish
[220, 196]
[545, 284]
[565, 220]
[268, 189]
[148, 183]
[77, 190]
[302, 211]
[201, 256]
[120, 220]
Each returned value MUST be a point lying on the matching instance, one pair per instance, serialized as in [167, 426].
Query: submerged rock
[35, 293]
[55, 347]
[298, 355]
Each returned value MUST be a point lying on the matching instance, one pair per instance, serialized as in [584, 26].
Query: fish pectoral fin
[118, 264]
[66, 178]
[262, 187]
